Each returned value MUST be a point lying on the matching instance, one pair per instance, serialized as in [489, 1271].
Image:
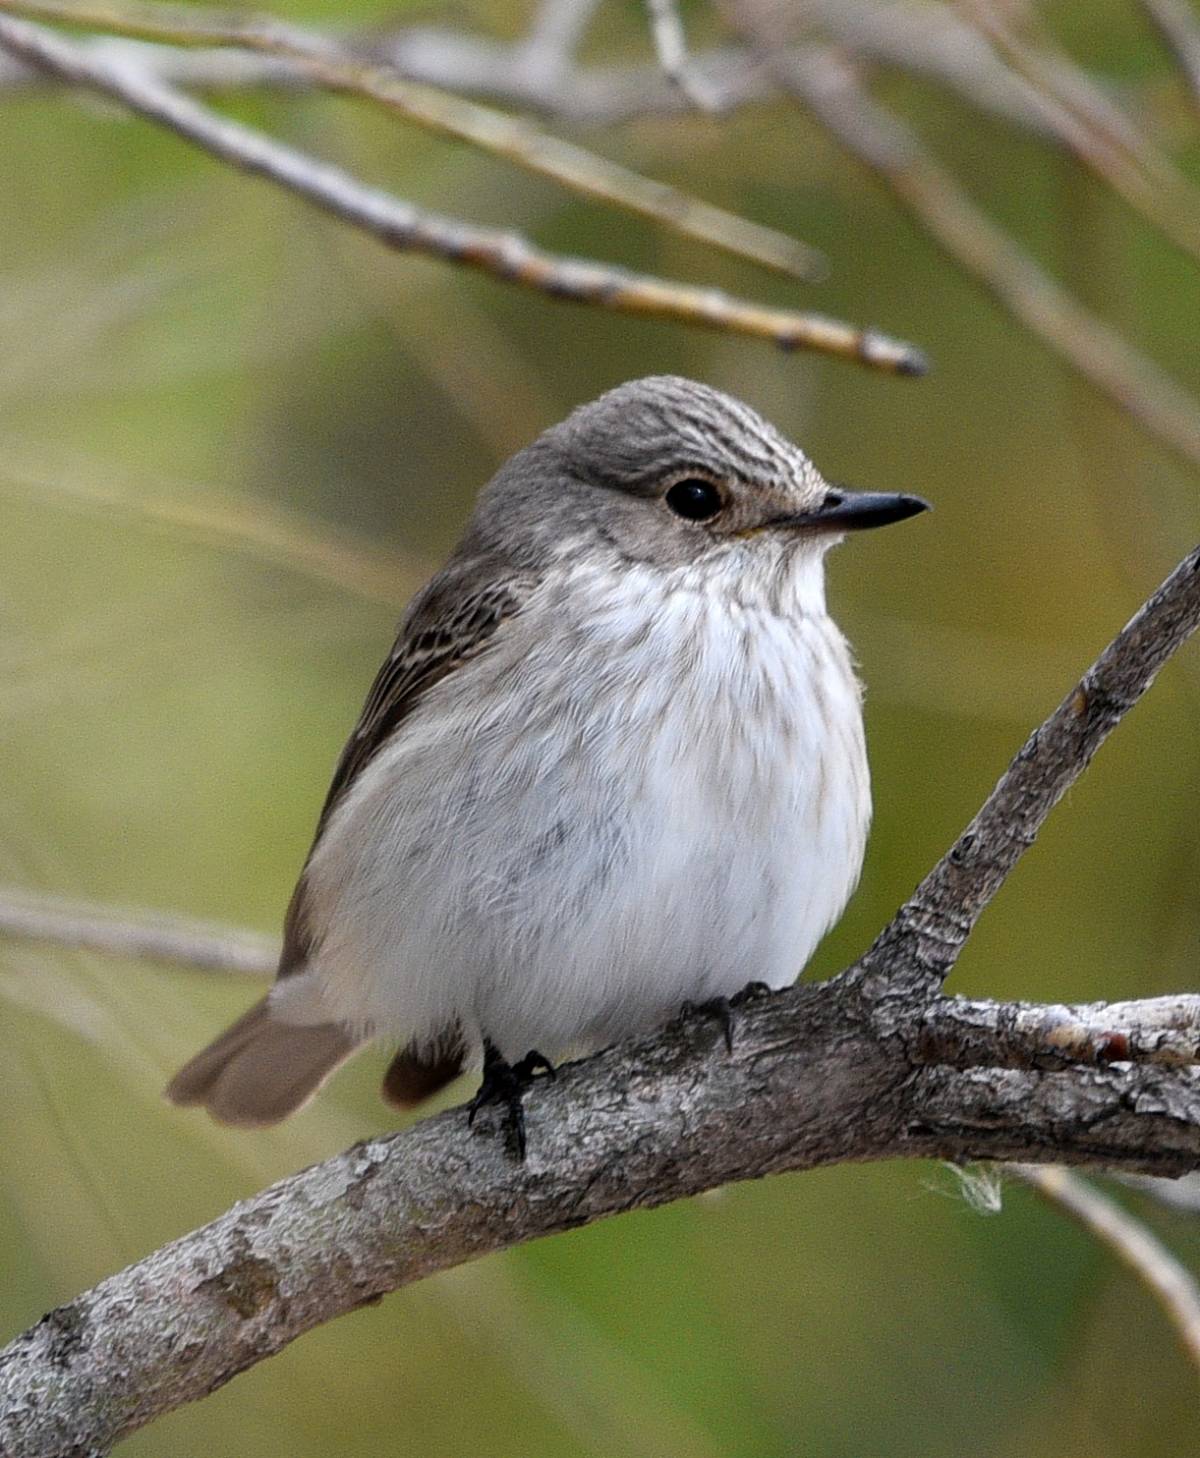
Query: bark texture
[875, 1064]
[818, 1075]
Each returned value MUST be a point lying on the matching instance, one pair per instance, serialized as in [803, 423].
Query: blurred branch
[670, 44]
[326, 65]
[146, 935]
[1178, 26]
[1182, 1194]
[873, 1064]
[1166, 1278]
[265, 532]
[1101, 136]
[400, 225]
[827, 87]
[534, 73]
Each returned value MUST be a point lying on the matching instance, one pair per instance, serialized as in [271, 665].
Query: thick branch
[813, 1080]
[871, 1065]
[505, 256]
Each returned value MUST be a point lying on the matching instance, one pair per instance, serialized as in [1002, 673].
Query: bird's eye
[695, 499]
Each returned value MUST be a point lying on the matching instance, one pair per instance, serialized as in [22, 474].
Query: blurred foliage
[177, 335]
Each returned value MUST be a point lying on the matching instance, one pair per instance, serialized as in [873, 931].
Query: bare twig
[923, 941]
[554, 35]
[921, 40]
[325, 64]
[1100, 136]
[828, 88]
[267, 533]
[146, 935]
[1167, 1279]
[400, 225]
[670, 45]
[1179, 27]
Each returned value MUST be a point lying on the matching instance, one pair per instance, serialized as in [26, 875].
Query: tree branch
[875, 1063]
[924, 939]
[812, 1081]
[505, 256]
[148, 936]
[1179, 29]
[1102, 137]
[828, 88]
[325, 64]
[537, 73]
[1167, 1280]
[670, 45]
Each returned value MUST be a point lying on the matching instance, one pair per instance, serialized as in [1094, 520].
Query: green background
[182, 342]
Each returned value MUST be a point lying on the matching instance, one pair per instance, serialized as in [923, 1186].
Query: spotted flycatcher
[613, 763]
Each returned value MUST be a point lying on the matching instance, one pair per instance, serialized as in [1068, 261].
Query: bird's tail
[262, 1069]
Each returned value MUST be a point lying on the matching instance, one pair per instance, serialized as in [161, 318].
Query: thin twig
[1178, 26]
[267, 533]
[143, 935]
[670, 45]
[1163, 1275]
[327, 65]
[915, 40]
[1103, 139]
[928, 932]
[555, 33]
[400, 225]
[828, 88]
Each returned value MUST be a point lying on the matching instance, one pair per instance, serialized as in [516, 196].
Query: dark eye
[695, 499]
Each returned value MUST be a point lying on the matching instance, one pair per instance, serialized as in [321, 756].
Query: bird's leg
[713, 1007]
[531, 1065]
[723, 1008]
[505, 1083]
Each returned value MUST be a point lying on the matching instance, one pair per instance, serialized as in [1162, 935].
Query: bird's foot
[752, 992]
[713, 1007]
[723, 1008]
[505, 1083]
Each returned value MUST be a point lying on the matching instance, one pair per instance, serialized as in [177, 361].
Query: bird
[614, 764]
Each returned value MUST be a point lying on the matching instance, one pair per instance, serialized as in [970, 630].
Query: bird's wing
[450, 622]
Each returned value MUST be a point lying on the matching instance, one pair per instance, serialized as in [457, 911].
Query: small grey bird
[614, 763]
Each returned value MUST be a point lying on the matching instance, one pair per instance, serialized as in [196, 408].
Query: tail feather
[413, 1077]
[261, 1069]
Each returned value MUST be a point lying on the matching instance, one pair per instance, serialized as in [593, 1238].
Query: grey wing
[449, 622]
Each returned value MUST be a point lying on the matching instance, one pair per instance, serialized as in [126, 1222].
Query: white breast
[645, 791]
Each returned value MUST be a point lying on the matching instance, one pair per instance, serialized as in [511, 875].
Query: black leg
[723, 1008]
[714, 1007]
[752, 992]
[505, 1083]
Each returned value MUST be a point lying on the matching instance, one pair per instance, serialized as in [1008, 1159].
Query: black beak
[855, 511]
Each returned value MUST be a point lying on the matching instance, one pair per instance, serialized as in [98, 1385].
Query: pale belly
[571, 837]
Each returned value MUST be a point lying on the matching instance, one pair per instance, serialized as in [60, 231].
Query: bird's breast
[633, 799]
